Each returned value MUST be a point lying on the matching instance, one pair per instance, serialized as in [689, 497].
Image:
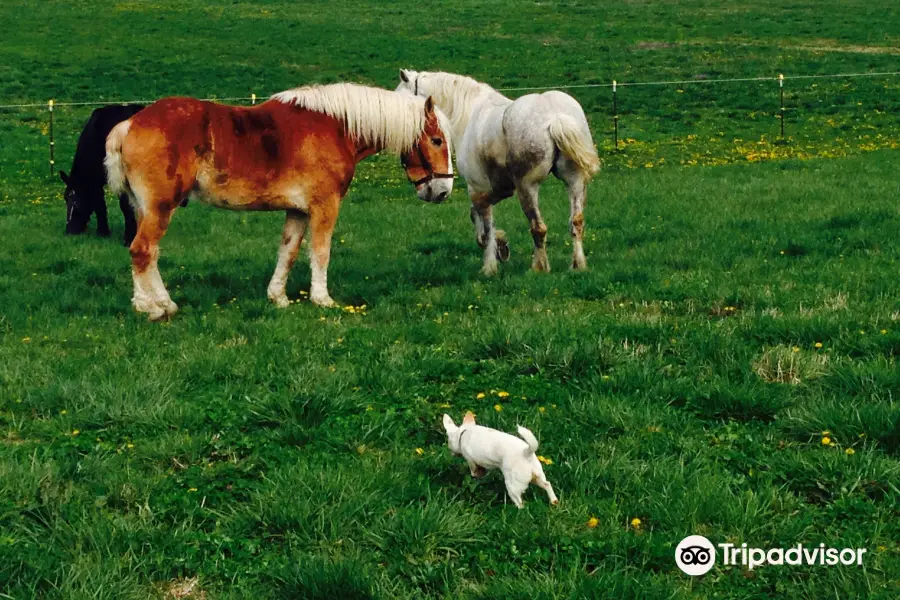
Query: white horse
[508, 146]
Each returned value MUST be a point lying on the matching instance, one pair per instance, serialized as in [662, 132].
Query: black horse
[84, 186]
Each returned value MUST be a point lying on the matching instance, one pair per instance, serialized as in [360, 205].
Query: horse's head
[413, 82]
[78, 213]
[428, 163]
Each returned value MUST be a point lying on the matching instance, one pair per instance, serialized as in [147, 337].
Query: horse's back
[256, 158]
[87, 165]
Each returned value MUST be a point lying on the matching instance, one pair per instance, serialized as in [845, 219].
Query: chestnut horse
[296, 152]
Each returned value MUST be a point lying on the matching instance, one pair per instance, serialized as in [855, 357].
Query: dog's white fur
[486, 448]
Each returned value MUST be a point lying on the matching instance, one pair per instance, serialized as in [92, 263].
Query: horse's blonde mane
[457, 95]
[381, 117]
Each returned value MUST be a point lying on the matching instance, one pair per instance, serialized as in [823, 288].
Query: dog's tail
[575, 143]
[529, 439]
[115, 170]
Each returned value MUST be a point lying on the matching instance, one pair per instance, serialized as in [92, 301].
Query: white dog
[486, 448]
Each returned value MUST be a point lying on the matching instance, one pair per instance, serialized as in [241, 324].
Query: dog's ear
[469, 419]
[404, 76]
[449, 425]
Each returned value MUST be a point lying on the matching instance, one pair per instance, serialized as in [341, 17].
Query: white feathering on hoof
[115, 170]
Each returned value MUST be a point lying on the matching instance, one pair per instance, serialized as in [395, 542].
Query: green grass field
[727, 366]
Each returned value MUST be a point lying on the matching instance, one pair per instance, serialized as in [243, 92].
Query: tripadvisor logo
[696, 555]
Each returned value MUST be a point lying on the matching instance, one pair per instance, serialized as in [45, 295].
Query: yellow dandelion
[604, 377]
[63, 411]
[129, 445]
[545, 460]
[826, 432]
[25, 340]
[795, 349]
[75, 432]
[541, 409]
[369, 408]
[419, 451]
[593, 522]
[862, 332]
[849, 451]
[818, 344]
[884, 332]
[503, 394]
[191, 490]
[826, 441]
[881, 549]
[636, 523]
[331, 369]
[479, 396]
[498, 408]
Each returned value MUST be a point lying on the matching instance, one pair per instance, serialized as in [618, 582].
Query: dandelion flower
[192, 490]
[545, 460]
[419, 451]
[818, 344]
[884, 332]
[479, 396]
[498, 408]
[25, 340]
[795, 349]
[636, 523]
[593, 522]
[129, 445]
[503, 394]
[849, 451]
[75, 432]
[541, 409]
[826, 441]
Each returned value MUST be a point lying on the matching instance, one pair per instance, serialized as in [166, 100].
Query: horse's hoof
[280, 301]
[502, 250]
[489, 269]
[323, 301]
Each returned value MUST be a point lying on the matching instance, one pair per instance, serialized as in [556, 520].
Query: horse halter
[426, 165]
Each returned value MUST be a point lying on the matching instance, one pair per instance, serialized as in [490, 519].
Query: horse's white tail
[570, 139]
[529, 439]
[115, 170]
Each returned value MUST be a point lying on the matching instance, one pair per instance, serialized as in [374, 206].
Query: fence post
[781, 90]
[52, 161]
[615, 118]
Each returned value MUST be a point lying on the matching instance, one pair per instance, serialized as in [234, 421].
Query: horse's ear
[64, 177]
[404, 76]
[429, 107]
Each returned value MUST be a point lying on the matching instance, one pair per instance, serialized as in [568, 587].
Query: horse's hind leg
[150, 294]
[294, 228]
[576, 182]
[528, 198]
[323, 217]
[130, 221]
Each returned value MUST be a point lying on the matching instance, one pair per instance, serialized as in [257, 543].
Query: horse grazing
[297, 152]
[84, 183]
[506, 146]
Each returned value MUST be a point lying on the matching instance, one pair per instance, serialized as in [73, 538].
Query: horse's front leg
[294, 228]
[150, 294]
[323, 217]
[491, 240]
[528, 198]
[130, 221]
[102, 216]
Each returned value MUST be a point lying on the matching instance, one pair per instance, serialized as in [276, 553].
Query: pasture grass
[734, 317]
